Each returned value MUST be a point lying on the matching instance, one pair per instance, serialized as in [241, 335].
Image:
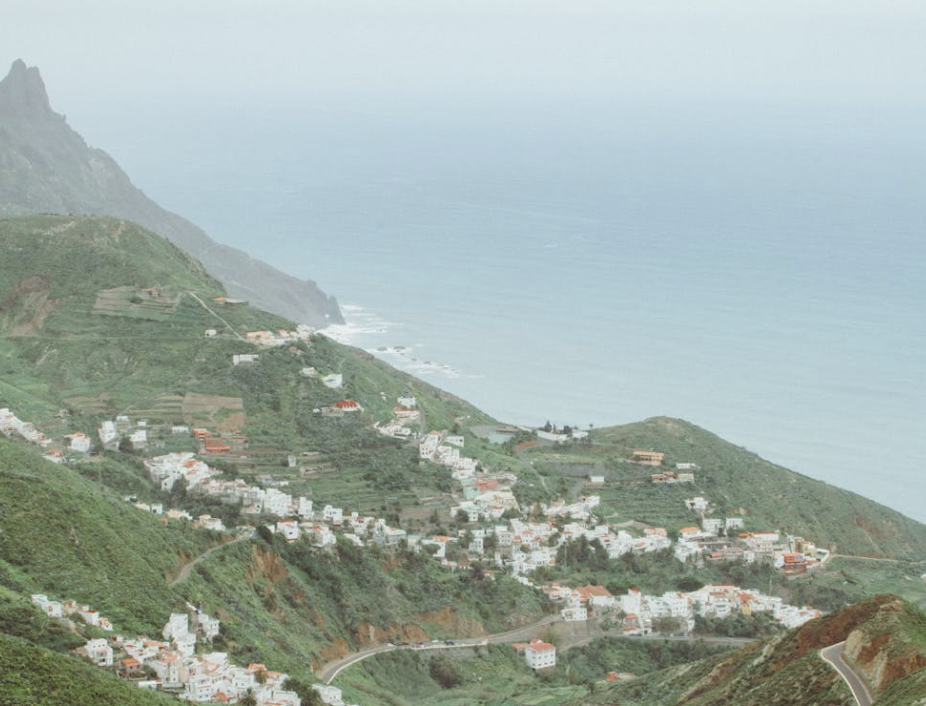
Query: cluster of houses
[67, 608]
[174, 665]
[638, 611]
[112, 431]
[405, 412]
[487, 496]
[77, 443]
[444, 449]
[718, 539]
[11, 424]
[201, 478]
[280, 337]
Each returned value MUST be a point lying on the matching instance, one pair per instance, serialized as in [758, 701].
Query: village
[514, 540]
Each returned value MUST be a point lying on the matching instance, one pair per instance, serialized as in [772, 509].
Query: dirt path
[207, 308]
[189, 566]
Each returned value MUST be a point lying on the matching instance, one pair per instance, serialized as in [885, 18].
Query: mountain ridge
[47, 167]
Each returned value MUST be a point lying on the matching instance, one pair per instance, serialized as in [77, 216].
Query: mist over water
[768, 288]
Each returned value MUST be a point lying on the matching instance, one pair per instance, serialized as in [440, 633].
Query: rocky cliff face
[890, 646]
[46, 167]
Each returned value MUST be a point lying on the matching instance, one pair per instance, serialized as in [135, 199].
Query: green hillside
[99, 317]
[32, 676]
[788, 669]
[46, 167]
[737, 482]
[62, 535]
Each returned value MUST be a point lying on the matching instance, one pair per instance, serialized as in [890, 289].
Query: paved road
[188, 567]
[833, 655]
[330, 670]
[567, 635]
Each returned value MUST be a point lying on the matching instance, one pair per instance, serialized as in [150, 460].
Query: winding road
[834, 656]
[330, 670]
[571, 634]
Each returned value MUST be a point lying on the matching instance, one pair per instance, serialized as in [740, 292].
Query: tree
[265, 534]
[248, 698]
[444, 672]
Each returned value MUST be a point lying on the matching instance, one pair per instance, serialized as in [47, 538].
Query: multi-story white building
[540, 655]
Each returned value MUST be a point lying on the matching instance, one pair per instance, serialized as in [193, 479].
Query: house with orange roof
[540, 655]
[596, 596]
[647, 458]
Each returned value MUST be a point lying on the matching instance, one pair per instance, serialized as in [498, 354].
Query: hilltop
[46, 167]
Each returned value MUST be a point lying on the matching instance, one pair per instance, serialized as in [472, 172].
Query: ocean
[761, 278]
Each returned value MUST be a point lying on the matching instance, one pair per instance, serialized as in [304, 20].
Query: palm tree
[248, 698]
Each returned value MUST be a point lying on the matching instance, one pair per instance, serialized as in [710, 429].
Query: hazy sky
[467, 56]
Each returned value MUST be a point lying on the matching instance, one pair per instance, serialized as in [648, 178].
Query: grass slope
[787, 669]
[33, 676]
[63, 535]
[738, 483]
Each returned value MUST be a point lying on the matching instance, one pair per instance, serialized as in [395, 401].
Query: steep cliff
[46, 167]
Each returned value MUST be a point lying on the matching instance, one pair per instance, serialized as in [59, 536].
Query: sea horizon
[754, 281]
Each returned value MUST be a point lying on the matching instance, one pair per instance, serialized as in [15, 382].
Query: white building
[99, 652]
[697, 504]
[52, 609]
[331, 695]
[80, 443]
[333, 381]
[107, 432]
[238, 359]
[540, 655]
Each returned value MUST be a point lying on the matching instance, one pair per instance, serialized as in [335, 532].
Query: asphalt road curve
[834, 656]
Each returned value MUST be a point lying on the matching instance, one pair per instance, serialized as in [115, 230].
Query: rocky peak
[22, 92]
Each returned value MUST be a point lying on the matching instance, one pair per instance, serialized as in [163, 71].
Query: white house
[289, 529]
[177, 626]
[331, 695]
[107, 432]
[304, 508]
[99, 652]
[697, 504]
[333, 381]
[238, 359]
[334, 515]
[89, 615]
[540, 655]
[80, 443]
[52, 609]
[139, 438]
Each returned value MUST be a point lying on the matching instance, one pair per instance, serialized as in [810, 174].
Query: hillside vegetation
[33, 676]
[46, 167]
[787, 668]
[100, 317]
[737, 482]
